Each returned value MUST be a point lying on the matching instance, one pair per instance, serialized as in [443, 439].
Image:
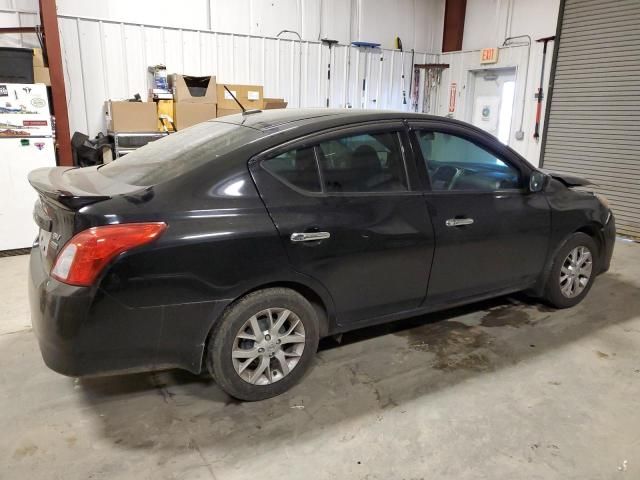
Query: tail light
[87, 253]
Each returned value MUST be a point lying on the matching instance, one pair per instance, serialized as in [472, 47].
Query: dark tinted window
[178, 153]
[455, 163]
[297, 167]
[369, 162]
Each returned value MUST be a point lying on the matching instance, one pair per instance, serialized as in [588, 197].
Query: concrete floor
[506, 389]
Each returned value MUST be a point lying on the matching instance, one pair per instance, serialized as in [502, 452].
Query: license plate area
[44, 238]
[44, 222]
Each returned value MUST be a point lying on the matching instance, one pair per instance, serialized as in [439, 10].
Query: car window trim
[475, 138]
[397, 126]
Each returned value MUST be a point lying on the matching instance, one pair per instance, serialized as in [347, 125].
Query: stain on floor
[506, 315]
[25, 451]
[454, 344]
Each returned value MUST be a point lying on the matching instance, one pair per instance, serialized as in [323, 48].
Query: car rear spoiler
[569, 180]
[51, 183]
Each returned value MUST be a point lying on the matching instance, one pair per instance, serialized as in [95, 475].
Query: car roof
[269, 120]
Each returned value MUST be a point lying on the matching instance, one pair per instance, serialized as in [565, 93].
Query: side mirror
[537, 181]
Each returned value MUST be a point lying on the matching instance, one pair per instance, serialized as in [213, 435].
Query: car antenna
[244, 110]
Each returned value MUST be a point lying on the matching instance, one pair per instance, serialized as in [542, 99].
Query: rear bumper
[56, 310]
[84, 331]
[608, 233]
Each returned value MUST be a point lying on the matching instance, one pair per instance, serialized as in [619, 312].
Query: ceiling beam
[454, 13]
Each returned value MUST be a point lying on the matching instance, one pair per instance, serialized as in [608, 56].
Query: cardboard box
[250, 96]
[188, 89]
[41, 75]
[273, 103]
[131, 116]
[165, 107]
[38, 58]
[186, 114]
[223, 112]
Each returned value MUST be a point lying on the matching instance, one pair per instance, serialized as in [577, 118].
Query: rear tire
[263, 344]
[572, 272]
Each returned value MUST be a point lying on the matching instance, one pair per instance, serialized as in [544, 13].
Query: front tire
[572, 272]
[263, 344]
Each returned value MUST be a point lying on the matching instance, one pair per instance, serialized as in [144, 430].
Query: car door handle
[458, 222]
[309, 236]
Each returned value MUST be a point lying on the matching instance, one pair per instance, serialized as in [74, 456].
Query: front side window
[370, 162]
[297, 167]
[456, 164]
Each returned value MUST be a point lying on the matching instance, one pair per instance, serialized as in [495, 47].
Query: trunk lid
[74, 188]
[63, 191]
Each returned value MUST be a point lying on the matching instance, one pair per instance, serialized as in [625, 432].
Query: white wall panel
[186, 14]
[312, 18]
[428, 32]
[25, 5]
[417, 22]
[335, 22]
[414, 21]
[11, 16]
[338, 76]
[135, 54]
[10, 40]
[173, 50]
[154, 46]
[93, 74]
[270, 17]
[231, 16]
[73, 73]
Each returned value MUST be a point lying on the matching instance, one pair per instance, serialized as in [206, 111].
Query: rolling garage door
[593, 120]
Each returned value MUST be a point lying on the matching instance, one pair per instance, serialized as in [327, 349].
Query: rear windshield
[178, 153]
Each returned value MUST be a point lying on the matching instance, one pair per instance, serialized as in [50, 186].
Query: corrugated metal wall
[105, 59]
[10, 17]
[593, 125]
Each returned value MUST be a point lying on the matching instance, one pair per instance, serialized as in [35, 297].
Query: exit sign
[489, 55]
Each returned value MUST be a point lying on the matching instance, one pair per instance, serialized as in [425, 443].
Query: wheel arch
[321, 302]
[594, 230]
[591, 228]
[321, 305]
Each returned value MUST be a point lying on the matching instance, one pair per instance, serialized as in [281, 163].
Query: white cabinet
[18, 156]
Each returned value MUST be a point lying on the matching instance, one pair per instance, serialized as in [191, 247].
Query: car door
[351, 216]
[491, 231]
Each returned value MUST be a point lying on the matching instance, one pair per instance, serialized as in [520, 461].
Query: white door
[493, 92]
[18, 156]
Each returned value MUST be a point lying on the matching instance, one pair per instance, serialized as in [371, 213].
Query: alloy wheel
[575, 272]
[268, 346]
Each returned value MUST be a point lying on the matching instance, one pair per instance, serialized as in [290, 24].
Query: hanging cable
[299, 63]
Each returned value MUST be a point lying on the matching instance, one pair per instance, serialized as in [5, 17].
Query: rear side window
[297, 167]
[179, 153]
[370, 162]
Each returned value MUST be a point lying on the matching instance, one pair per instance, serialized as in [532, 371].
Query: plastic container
[16, 65]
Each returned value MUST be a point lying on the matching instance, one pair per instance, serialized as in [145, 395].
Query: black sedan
[234, 245]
